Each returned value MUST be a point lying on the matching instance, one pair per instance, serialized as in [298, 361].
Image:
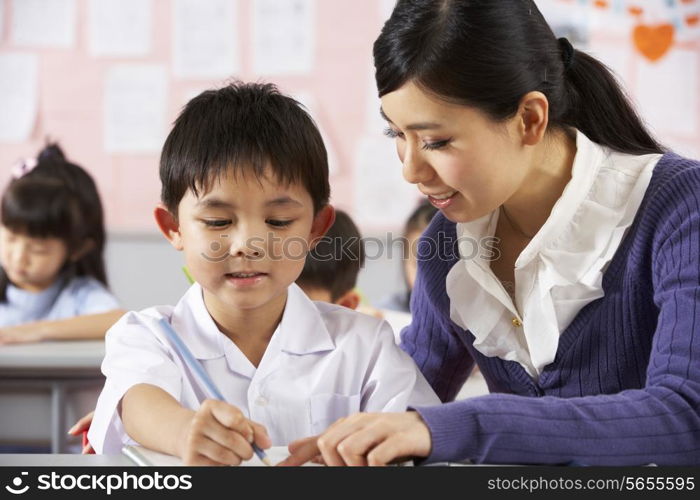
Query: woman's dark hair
[57, 199]
[489, 53]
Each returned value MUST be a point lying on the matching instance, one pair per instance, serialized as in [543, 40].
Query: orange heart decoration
[653, 41]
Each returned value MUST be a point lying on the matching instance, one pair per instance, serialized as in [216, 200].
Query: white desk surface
[63, 460]
[49, 356]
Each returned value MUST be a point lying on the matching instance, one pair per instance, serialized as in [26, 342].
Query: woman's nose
[415, 169]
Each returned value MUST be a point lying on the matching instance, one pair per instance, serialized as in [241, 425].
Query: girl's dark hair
[57, 199]
[419, 218]
[488, 54]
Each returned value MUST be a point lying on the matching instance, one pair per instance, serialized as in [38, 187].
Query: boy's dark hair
[488, 54]
[336, 260]
[243, 127]
[57, 199]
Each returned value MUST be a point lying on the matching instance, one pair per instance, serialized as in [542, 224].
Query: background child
[52, 276]
[245, 195]
[414, 227]
[331, 268]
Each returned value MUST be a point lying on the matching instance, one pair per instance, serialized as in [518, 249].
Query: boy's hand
[219, 434]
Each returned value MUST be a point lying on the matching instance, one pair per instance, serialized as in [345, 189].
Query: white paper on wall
[44, 23]
[205, 38]
[667, 101]
[19, 74]
[120, 28]
[135, 108]
[283, 36]
[386, 7]
[2, 18]
[383, 198]
[312, 107]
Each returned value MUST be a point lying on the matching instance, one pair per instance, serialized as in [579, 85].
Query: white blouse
[561, 269]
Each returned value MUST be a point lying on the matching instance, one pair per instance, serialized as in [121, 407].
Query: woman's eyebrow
[414, 126]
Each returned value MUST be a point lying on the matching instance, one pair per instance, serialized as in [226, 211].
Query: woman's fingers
[301, 451]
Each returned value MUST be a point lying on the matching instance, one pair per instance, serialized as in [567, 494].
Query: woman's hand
[365, 439]
[219, 434]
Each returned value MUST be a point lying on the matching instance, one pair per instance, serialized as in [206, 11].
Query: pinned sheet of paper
[120, 27]
[2, 17]
[383, 198]
[44, 23]
[283, 36]
[205, 39]
[667, 102]
[135, 108]
[19, 77]
[312, 107]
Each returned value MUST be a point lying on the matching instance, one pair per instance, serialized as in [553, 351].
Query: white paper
[283, 36]
[383, 199]
[135, 108]
[667, 100]
[2, 17]
[44, 23]
[312, 107]
[18, 96]
[120, 27]
[386, 7]
[205, 38]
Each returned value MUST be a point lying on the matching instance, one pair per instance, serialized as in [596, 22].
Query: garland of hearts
[653, 41]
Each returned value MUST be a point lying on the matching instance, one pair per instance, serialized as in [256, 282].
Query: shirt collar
[301, 330]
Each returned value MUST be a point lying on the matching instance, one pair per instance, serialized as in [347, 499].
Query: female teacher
[585, 319]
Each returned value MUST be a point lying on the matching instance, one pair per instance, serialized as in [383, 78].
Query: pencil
[197, 368]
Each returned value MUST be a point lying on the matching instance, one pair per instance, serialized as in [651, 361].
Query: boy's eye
[216, 222]
[430, 146]
[391, 133]
[278, 223]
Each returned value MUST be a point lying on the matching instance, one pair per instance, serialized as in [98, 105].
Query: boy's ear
[323, 221]
[168, 225]
[350, 300]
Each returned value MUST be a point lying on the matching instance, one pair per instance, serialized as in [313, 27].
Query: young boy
[245, 195]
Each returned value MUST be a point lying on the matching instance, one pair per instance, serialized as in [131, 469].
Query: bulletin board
[106, 78]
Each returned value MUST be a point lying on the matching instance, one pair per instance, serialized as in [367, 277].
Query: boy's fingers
[260, 435]
[82, 424]
[229, 439]
[303, 452]
[231, 417]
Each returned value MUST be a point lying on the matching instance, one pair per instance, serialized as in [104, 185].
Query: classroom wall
[107, 77]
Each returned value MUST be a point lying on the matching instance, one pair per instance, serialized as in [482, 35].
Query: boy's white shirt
[323, 362]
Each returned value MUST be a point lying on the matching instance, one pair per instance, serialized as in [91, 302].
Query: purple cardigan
[624, 388]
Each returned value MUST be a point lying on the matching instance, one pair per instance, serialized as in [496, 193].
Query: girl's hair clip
[23, 167]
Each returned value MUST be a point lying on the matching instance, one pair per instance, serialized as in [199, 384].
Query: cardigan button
[516, 322]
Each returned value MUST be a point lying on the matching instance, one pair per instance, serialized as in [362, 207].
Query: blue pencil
[197, 368]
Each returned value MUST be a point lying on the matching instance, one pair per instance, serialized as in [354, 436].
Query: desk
[56, 366]
[66, 460]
